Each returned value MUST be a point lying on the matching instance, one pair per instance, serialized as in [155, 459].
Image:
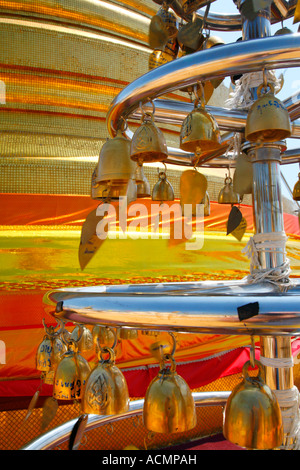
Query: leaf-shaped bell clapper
[169, 20]
[169, 405]
[142, 183]
[296, 190]
[268, 119]
[252, 416]
[71, 374]
[227, 195]
[115, 167]
[206, 202]
[243, 175]
[199, 131]
[148, 143]
[83, 337]
[162, 190]
[193, 187]
[106, 391]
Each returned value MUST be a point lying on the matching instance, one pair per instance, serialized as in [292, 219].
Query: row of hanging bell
[169, 405]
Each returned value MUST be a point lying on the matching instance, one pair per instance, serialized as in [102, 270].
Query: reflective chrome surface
[195, 308]
[242, 57]
[61, 434]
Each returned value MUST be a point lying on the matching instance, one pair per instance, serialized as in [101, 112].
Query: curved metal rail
[241, 57]
[213, 308]
[61, 434]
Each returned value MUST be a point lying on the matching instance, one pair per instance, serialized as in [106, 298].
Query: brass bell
[148, 143]
[162, 190]
[157, 58]
[142, 183]
[127, 333]
[106, 391]
[252, 416]
[115, 166]
[296, 190]
[199, 131]
[282, 31]
[50, 350]
[169, 405]
[70, 375]
[83, 337]
[103, 335]
[268, 119]
[43, 355]
[227, 194]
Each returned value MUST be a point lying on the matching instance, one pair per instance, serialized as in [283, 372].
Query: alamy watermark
[2, 352]
[140, 221]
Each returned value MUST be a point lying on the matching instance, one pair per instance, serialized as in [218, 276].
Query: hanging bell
[115, 167]
[227, 194]
[83, 337]
[199, 131]
[169, 405]
[162, 190]
[50, 350]
[252, 416]
[127, 333]
[268, 119]
[70, 375]
[157, 58]
[142, 184]
[43, 355]
[103, 335]
[296, 190]
[282, 31]
[106, 391]
[148, 143]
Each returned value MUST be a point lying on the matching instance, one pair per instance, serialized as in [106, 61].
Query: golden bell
[70, 376]
[252, 416]
[142, 184]
[148, 143]
[296, 190]
[115, 166]
[83, 337]
[282, 31]
[102, 191]
[162, 190]
[127, 333]
[49, 353]
[43, 355]
[227, 194]
[268, 119]
[169, 405]
[103, 335]
[157, 58]
[199, 131]
[106, 391]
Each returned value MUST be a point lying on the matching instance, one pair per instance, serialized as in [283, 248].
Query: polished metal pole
[276, 353]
